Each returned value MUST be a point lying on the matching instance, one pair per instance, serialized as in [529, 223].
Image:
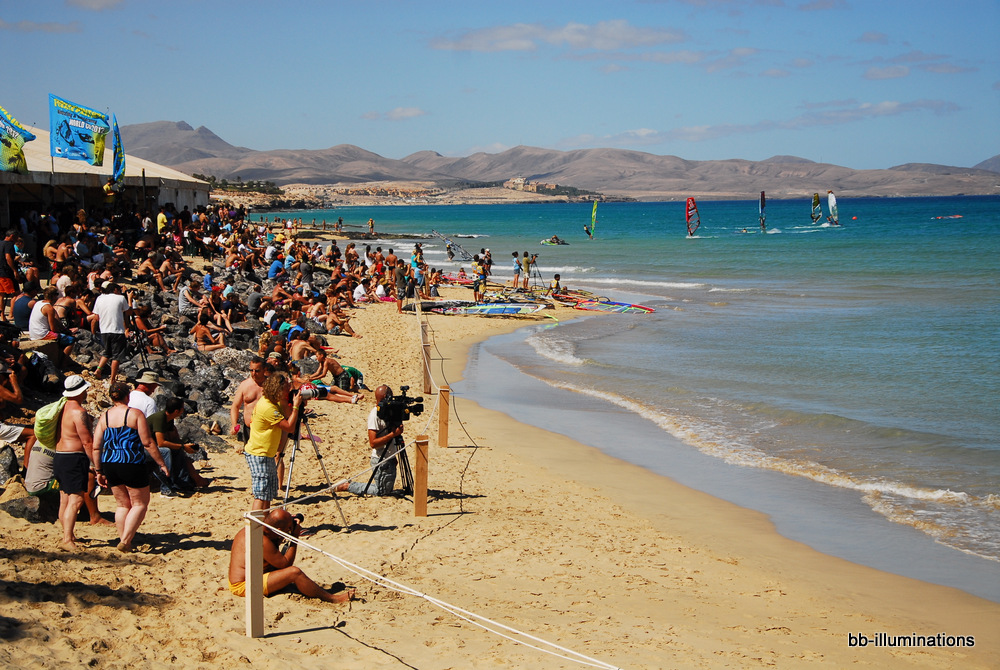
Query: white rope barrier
[479, 620]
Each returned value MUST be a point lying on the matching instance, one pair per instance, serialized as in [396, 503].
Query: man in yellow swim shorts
[278, 569]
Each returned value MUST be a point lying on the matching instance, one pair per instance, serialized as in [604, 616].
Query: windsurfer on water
[586, 229]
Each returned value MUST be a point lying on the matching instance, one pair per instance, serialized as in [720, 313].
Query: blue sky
[864, 84]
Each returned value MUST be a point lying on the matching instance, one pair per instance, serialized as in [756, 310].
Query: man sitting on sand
[278, 569]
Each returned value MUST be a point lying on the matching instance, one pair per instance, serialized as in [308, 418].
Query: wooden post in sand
[427, 357]
[254, 542]
[420, 478]
[444, 398]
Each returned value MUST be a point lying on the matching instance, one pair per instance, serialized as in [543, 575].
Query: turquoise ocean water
[860, 362]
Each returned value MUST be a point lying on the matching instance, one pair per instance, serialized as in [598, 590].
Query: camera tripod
[296, 436]
[536, 276]
[405, 473]
[138, 342]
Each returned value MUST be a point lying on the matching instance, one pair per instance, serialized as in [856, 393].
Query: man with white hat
[145, 386]
[73, 460]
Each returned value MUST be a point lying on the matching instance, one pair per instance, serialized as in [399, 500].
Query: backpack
[47, 424]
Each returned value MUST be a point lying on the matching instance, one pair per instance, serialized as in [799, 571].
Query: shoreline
[728, 528]
[531, 529]
[833, 520]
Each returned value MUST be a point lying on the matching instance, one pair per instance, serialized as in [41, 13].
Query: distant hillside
[991, 164]
[613, 172]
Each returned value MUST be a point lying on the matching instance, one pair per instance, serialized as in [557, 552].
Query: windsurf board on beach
[493, 309]
[618, 307]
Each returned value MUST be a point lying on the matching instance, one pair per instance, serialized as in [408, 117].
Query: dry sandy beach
[529, 529]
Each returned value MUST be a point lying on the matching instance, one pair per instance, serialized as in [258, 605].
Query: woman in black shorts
[122, 436]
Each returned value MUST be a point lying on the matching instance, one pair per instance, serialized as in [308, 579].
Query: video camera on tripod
[394, 410]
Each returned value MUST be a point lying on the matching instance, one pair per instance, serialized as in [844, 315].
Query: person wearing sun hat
[145, 386]
[71, 464]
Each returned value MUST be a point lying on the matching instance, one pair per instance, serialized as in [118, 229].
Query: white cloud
[915, 56]
[402, 113]
[602, 36]
[873, 37]
[94, 5]
[890, 72]
[397, 114]
[734, 58]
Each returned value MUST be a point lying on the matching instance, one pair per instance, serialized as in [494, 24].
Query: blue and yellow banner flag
[119, 169]
[12, 138]
[77, 133]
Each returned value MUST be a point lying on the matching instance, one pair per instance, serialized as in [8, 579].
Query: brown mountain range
[612, 172]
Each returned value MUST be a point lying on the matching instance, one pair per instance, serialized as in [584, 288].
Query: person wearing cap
[145, 386]
[276, 270]
[74, 454]
[111, 307]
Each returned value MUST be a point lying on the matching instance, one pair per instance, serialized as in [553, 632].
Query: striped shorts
[263, 477]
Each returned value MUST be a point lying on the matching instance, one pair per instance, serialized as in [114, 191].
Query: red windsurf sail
[693, 218]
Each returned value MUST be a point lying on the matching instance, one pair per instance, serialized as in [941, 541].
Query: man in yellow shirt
[161, 220]
[266, 425]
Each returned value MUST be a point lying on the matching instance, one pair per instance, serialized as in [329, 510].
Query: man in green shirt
[183, 474]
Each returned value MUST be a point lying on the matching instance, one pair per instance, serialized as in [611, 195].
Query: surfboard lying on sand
[493, 309]
[619, 307]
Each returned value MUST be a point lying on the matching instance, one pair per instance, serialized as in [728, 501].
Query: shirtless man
[330, 365]
[247, 395]
[74, 455]
[278, 569]
[170, 271]
[149, 267]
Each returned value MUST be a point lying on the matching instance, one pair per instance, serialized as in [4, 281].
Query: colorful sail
[763, 216]
[831, 201]
[12, 139]
[692, 217]
[119, 165]
[817, 210]
[593, 220]
[77, 132]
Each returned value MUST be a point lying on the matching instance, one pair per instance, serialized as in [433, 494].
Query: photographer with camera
[279, 571]
[385, 437]
[268, 422]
